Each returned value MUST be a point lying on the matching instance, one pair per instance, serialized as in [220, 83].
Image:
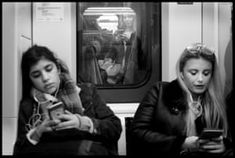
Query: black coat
[158, 126]
[72, 141]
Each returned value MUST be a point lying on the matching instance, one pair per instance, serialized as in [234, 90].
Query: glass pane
[110, 38]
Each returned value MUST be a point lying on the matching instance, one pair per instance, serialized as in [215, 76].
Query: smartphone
[55, 110]
[211, 133]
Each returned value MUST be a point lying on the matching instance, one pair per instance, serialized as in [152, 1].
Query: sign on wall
[49, 12]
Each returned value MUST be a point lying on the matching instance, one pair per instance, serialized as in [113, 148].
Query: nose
[45, 77]
[200, 77]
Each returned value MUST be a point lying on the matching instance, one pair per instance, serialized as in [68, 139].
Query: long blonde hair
[212, 102]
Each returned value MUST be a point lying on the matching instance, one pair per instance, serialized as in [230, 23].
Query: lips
[199, 86]
[49, 86]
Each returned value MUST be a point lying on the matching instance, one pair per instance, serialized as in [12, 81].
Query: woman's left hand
[212, 146]
[68, 120]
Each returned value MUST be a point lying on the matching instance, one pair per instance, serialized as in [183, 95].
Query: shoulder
[86, 85]
[159, 85]
[87, 88]
[26, 102]
[155, 91]
[170, 91]
[26, 106]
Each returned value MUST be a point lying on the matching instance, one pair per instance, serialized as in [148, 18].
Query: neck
[195, 97]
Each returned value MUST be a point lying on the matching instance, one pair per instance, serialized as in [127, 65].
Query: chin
[199, 91]
[51, 91]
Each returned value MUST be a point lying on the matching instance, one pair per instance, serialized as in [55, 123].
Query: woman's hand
[215, 145]
[46, 126]
[68, 120]
[191, 143]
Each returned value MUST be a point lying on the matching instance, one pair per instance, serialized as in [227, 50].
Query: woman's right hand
[46, 126]
[191, 143]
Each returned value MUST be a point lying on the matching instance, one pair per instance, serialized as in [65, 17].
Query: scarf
[68, 93]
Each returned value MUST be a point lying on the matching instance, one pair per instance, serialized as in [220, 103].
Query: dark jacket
[72, 141]
[159, 123]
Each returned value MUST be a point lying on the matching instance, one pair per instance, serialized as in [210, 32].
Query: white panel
[210, 26]
[217, 31]
[58, 36]
[9, 67]
[184, 28]
[8, 135]
[16, 38]
[123, 108]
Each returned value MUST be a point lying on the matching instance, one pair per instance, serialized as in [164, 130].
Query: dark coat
[158, 126]
[72, 141]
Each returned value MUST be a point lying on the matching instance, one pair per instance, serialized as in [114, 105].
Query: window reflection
[111, 49]
[108, 22]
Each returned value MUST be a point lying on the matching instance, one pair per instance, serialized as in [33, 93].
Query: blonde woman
[172, 116]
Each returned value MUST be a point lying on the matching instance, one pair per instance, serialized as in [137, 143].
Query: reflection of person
[111, 67]
[88, 126]
[128, 46]
[89, 64]
[97, 44]
[172, 115]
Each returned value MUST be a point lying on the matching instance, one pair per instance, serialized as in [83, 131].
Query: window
[116, 46]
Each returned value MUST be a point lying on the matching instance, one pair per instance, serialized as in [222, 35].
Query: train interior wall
[181, 25]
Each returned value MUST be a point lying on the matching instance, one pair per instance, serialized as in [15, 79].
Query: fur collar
[174, 96]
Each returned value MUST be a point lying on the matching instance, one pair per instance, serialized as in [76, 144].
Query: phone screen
[211, 133]
[55, 110]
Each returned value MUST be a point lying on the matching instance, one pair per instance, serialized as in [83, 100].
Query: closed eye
[193, 72]
[35, 74]
[207, 72]
[49, 67]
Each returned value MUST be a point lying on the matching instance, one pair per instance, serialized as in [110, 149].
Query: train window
[116, 45]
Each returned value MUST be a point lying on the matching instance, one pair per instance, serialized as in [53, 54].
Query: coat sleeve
[106, 124]
[143, 130]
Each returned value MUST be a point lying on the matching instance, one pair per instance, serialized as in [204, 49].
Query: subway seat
[125, 111]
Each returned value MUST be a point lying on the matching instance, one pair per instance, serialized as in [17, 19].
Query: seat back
[129, 146]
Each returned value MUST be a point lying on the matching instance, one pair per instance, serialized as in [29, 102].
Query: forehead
[128, 17]
[41, 64]
[199, 64]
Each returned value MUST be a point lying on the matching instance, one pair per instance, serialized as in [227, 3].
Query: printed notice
[50, 12]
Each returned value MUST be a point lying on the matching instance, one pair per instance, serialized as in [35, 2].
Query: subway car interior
[121, 47]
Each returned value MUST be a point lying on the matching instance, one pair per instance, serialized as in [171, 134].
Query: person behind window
[171, 116]
[87, 127]
[112, 69]
[127, 46]
[90, 67]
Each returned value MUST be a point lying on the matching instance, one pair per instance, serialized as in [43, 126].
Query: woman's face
[197, 74]
[45, 76]
[128, 19]
[97, 46]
